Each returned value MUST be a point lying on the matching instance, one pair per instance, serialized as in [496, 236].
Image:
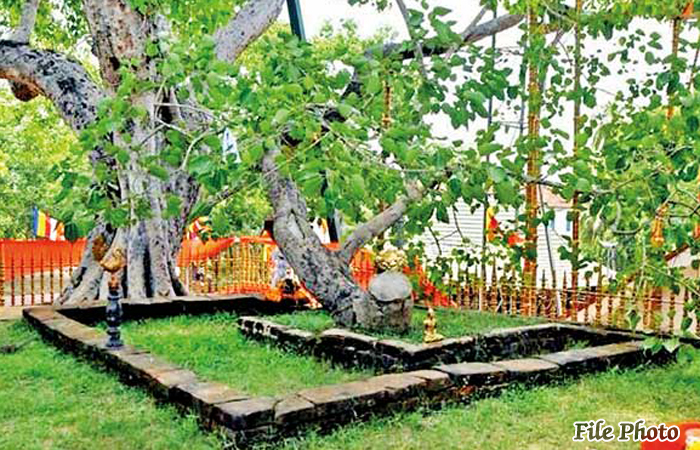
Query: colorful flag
[197, 227]
[46, 227]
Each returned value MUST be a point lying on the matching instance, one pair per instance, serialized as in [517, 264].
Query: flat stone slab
[436, 380]
[474, 374]
[395, 347]
[337, 398]
[401, 385]
[593, 359]
[41, 313]
[294, 410]
[345, 338]
[210, 392]
[246, 414]
[162, 384]
[528, 369]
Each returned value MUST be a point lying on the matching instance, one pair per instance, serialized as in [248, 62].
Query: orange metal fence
[35, 272]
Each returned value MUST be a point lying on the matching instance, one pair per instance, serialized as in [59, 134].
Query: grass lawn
[212, 347]
[450, 323]
[539, 419]
[49, 400]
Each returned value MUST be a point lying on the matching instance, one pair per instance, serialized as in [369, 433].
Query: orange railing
[36, 271]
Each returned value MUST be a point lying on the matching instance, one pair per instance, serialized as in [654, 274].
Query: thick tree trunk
[151, 264]
[325, 273]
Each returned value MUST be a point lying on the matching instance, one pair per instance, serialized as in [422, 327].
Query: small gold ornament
[391, 259]
[113, 263]
[430, 323]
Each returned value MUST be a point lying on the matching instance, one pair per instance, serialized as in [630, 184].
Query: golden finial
[430, 323]
[391, 259]
[113, 263]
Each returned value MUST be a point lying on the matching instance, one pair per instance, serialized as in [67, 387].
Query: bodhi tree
[172, 76]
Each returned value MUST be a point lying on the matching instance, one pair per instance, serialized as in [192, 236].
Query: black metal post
[297, 23]
[295, 19]
[114, 315]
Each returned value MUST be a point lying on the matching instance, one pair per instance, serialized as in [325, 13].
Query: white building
[470, 226]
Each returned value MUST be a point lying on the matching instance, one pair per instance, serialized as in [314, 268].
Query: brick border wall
[351, 349]
[245, 419]
[93, 313]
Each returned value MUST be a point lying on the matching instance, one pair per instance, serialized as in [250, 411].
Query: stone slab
[436, 380]
[474, 374]
[41, 313]
[594, 359]
[402, 385]
[529, 369]
[345, 338]
[337, 398]
[246, 414]
[294, 411]
[397, 348]
[162, 384]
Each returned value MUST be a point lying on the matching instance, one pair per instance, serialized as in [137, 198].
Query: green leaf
[173, 206]
[497, 174]
[158, 172]
[583, 185]
[281, 116]
[345, 110]
[506, 193]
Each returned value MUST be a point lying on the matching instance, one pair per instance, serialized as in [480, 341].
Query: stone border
[246, 419]
[352, 349]
[93, 313]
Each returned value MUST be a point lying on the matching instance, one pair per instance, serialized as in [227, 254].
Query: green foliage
[27, 156]
[354, 124]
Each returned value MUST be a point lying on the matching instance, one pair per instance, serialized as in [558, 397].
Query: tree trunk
[151, 263]
[325, 273]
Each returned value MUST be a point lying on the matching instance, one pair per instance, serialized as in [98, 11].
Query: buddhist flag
[46, 227]
[688, 11]
[197, 227]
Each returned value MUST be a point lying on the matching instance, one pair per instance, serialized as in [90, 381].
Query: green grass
[213, 347]
[49, 400]
[539, 419]
[450, 323]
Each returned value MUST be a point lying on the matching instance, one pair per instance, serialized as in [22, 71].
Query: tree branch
[469, 36]
[64, 81]
[119, 33]
[26, 23]
[379, 223]
[411, 33]
[252, 20]
[21, 34]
